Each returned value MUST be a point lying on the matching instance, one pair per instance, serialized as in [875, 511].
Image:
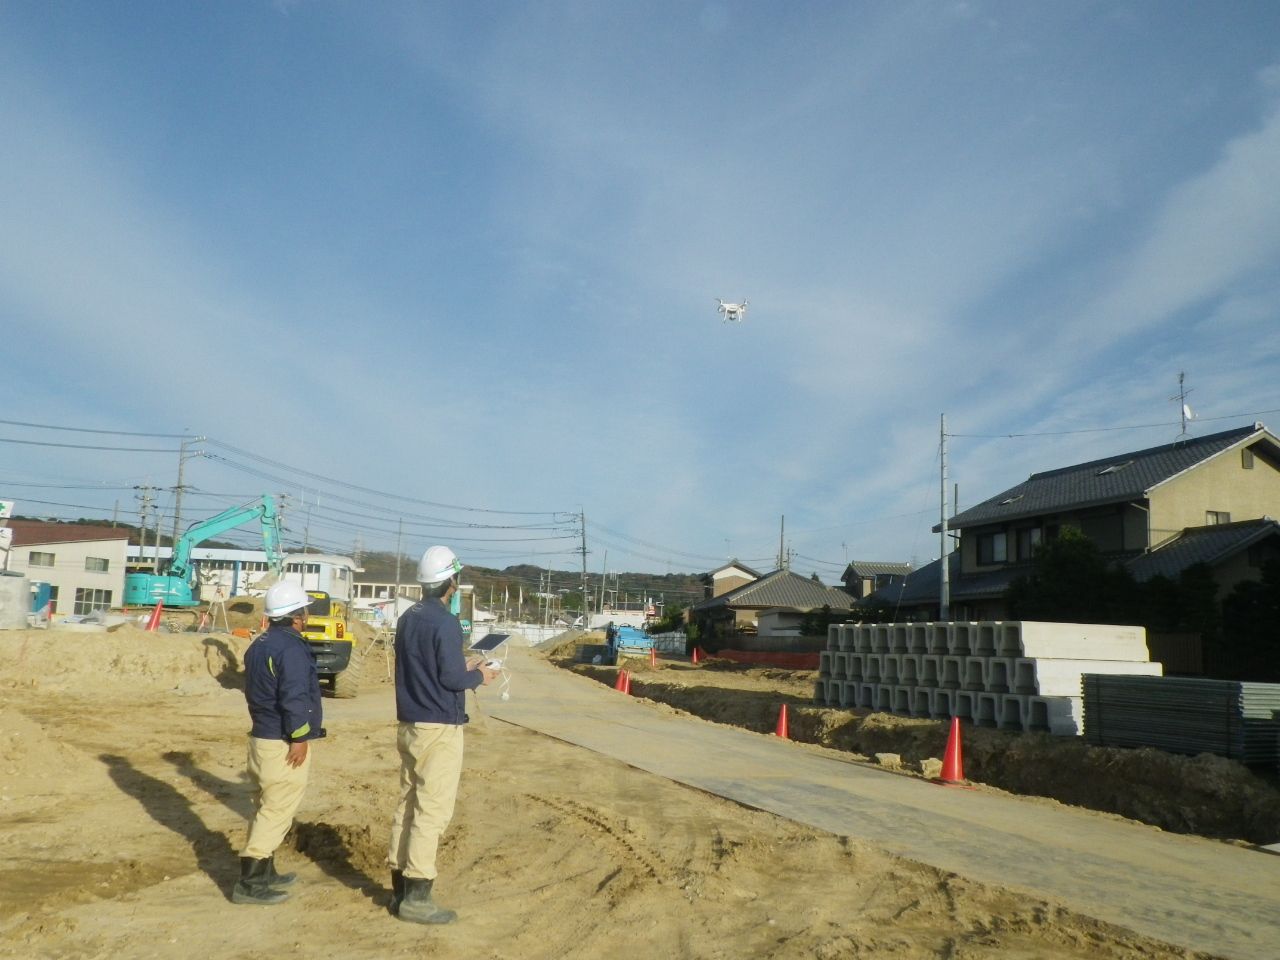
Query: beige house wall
[1221, 484]
[721, 585]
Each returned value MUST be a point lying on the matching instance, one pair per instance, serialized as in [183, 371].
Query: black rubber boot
[397, 890]
[252, 887]
[278, 879]
[417, 905]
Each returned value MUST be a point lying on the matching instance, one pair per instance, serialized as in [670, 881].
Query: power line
[115, 433]
[1133, 426]
[84, 446]
[61, 486]
[378, 493]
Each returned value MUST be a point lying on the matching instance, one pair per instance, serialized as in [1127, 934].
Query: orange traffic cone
[695, 655]
[952, 766]
[263, 625]
[153, 621]
[781, 730]
[653, 656]
[626, 682]
[621, 683]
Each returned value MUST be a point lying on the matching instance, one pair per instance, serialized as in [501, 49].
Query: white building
[366, 596]
[84, 564]
[241, 572]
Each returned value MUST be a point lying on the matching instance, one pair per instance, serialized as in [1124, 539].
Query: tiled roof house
[1135, 506]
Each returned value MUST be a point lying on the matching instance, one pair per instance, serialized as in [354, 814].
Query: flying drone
[732, 311]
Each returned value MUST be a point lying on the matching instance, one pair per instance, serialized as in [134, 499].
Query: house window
[53, 599]
[38, 559]
[993, 548]
[1246, 459]
[1028, 540]
[88, 601]
[1212, 517]
[96, 564]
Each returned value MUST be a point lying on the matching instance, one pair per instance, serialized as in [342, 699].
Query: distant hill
[493, 586]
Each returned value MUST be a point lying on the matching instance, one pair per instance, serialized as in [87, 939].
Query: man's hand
[297, 754]
[474, 663]
[487, 672]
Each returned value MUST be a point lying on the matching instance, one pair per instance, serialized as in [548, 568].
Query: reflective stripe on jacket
[282, 687]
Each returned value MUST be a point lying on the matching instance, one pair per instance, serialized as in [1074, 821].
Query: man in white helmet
[282, 689]
[432, 678]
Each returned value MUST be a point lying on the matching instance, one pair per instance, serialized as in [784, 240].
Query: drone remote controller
[493, 664]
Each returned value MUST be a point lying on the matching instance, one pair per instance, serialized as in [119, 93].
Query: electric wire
[379, 493]
[115, 433]
[1132, 426]
[86, 446]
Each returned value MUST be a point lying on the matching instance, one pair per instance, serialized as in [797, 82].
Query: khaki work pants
[280, 790]
[430, 765]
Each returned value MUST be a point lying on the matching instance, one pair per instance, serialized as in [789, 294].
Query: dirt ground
[122, 806]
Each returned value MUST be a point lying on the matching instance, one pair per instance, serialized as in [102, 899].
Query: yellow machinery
[333, 643]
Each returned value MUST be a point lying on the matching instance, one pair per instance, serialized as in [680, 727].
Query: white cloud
[1211, 232]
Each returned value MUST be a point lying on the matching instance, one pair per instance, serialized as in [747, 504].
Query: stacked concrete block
[1008, 675]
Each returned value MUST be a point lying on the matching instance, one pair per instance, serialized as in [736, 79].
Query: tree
[672, 619]
[1249, 616]
[1072, 582]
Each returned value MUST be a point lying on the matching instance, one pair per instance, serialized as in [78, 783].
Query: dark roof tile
[27, 532]
[1123, 477]
[1209, 545]
[782, 588]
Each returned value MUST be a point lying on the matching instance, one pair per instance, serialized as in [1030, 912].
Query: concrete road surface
[1188, 891]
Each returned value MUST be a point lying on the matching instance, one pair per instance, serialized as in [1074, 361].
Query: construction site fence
[524, 633]
[673, 642]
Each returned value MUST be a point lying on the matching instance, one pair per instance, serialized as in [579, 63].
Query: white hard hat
[284, 598]
[437, 565]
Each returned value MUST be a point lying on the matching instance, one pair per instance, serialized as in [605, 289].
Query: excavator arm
[174, 588]
[264, 508]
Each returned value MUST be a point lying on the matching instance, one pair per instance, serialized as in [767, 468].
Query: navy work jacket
[282, 687]
[432, 678]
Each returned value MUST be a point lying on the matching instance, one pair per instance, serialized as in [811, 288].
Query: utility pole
[944, 587]
[395, 598]
[586, 616]
[144, 509]
[604, 576]
[782, 533]
[178, 490]
[306, 529]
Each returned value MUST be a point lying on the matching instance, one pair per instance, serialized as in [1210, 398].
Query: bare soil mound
[124, 804]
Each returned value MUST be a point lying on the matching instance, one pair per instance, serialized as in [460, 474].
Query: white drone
[732, 311]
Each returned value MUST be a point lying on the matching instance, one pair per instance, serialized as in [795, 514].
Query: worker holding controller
[432, 678]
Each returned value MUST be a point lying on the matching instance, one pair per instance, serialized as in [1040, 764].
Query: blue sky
[468, 255]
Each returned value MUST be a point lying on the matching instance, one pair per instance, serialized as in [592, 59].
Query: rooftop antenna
[1184, 410]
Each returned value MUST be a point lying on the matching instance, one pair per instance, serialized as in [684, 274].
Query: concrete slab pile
[1011, 675]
